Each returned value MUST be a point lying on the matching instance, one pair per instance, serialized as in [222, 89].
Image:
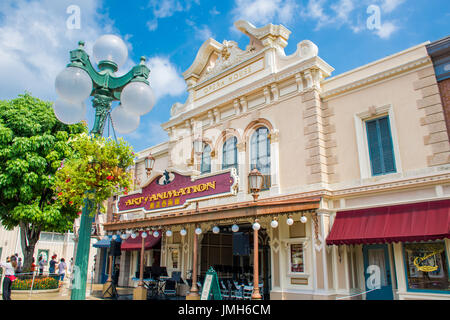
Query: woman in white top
[9, 267]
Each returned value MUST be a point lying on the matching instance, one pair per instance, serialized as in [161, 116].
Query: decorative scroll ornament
[229, 56]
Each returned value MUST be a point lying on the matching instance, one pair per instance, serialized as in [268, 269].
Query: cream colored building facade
[318, 148]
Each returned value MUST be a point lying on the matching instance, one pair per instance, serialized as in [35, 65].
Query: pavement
[93, 292]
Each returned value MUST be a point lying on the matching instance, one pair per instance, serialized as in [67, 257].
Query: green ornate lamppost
[74, 85]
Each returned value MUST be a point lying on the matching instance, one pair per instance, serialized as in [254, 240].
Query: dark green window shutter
[381, 150]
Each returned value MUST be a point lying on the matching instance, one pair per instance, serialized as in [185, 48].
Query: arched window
[206, 159]
[260, 154]
[230, 154]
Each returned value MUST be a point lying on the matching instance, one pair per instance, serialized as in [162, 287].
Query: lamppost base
[140, 293]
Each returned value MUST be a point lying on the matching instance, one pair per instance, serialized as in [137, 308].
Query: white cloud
[203, 33]
[35, 42]
[149, 131]
[214, 11]
[264, 11]
[390, 5]
[386, 30]
[167, 8]
[164, 78]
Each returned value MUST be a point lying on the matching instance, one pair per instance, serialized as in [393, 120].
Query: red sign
[178, 191]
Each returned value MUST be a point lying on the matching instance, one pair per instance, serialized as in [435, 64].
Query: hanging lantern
[303, 219]
[133, 235]
[198, 231]
[274, 223]
[235, 228]
[168, 233]
[156, 234]
[144, 235]
[290, 221]
[183, 232]
[216, 229]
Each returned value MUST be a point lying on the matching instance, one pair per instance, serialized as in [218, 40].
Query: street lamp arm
[80, 59]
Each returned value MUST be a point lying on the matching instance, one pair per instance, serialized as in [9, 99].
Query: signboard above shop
[173, 190]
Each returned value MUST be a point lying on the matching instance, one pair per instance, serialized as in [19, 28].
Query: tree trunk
[29, 236]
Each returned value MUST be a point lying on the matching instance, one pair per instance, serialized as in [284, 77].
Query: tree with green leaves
[33, 146]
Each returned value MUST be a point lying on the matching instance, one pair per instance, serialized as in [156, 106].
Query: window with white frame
[206, 159]
[376, 137]
[230, 154]
[260, 154]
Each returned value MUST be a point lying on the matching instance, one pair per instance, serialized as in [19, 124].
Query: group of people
[14, 266]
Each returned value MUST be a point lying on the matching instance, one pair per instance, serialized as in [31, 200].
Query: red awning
[405, 223]
[136, 243]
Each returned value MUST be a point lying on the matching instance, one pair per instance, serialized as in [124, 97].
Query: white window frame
[362, 143]
[304, 243]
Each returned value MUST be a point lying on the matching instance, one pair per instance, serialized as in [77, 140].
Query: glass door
[377, 272]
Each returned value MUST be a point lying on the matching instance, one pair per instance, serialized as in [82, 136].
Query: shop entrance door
[377, 272]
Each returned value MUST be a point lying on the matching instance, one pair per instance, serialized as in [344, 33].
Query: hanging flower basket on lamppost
[77, 82]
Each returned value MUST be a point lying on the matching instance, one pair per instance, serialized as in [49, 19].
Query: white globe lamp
[274, 224]
[303, 219]
[123, 120]
[69, 112]
[168, 233]
[183, 232]
[290, 221]
[110, 48]
[73, 84]
[137, 97]
[235, 228]
[216, 229]
[198, 231]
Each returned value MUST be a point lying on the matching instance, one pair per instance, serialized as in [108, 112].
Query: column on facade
[255, 294]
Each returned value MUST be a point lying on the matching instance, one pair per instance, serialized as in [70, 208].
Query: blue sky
[35, 41]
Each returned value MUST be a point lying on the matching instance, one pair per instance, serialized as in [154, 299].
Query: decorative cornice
[375, 78]
[290, 71]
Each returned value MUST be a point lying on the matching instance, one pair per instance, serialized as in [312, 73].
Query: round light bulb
[123, 120]
[133, 235]
[68, 112]
[144, 235]
[137, 97]
[168, 233]
[110, 48]
[235, 228]
[156, 234]
[105, 238]
[290, 221]
[274, 224]
[198, 231]
[256, 226]
[183, 232]
[73, 84]
[123, 236]
[114, 237]
[216, 229]
[303, 219]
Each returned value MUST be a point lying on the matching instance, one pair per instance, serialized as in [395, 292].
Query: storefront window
[175, 258]
[297, 264]
[427, 266]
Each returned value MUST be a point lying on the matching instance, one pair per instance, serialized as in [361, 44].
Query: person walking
[41, 264]
[62, 268]
[33, 265]
[19, 265]
[9, 267]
